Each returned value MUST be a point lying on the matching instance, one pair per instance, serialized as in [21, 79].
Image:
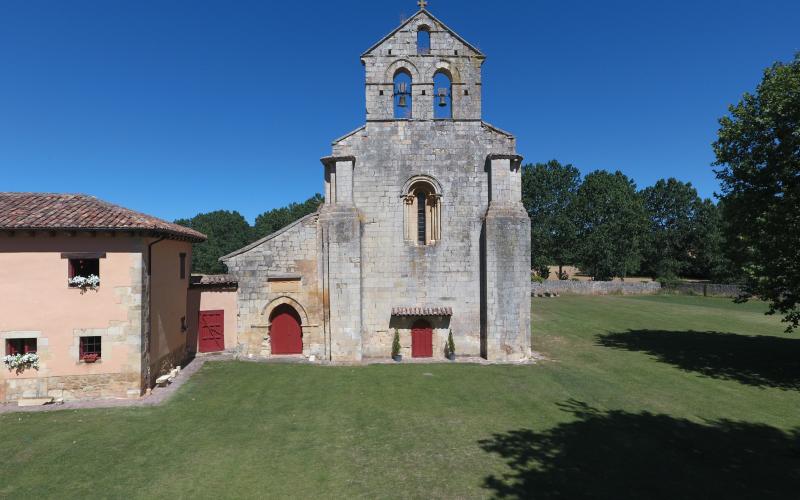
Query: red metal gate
[421, 340]
[286, 335]
[212, 331]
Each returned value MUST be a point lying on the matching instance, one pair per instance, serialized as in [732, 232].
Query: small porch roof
[422, 311]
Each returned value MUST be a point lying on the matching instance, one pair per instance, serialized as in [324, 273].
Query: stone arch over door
[287, 321]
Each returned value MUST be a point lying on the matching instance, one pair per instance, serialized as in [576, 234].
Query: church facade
[422, 231]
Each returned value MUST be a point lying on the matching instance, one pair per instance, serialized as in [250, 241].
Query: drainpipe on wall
[147, 322]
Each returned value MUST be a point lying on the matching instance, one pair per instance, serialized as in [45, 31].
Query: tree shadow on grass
[623, 455]
[761, 361]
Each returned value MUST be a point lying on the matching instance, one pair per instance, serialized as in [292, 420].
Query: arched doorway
[421, 340]
[285, 333]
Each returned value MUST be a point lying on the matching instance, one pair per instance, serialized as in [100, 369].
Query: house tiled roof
[213, 280]
[80, 212]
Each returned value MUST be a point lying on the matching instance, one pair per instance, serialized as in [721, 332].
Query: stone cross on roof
[422, 4]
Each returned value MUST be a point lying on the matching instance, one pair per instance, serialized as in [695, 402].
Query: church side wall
[281, 270]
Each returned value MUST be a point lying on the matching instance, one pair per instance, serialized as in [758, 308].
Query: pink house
[96, 291]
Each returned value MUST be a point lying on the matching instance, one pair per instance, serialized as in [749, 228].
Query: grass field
[641, 397]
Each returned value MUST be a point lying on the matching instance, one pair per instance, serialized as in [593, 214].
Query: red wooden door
[421, 340]
[212, 331]
[285, 333]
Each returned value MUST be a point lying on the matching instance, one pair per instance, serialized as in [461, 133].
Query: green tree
[758, 152]
[278, 218]
[611, 225]
[672, 208]
[708, 258]
[227, 231]
[548, 193]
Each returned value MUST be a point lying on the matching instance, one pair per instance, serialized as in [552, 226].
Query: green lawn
[641, 397]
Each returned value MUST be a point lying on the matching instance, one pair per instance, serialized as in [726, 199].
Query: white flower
[20, 362]
[90, 282]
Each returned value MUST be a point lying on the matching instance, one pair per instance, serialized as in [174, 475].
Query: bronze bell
[402, 101]
[442, 97]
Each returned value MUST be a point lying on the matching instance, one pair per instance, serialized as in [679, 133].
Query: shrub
[543, 271]
[396, 344]
[451, 346]
[669, 281]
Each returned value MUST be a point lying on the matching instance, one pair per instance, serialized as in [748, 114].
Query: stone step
[34, 401]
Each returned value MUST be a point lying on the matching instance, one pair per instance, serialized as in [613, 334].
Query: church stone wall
[279, 269]
[396, 272]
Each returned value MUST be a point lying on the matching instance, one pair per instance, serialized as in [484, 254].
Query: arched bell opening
[442, 95]
[402, 94]
[423, 40]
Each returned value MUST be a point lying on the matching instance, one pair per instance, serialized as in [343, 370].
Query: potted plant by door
[450, 348]
[396, 347]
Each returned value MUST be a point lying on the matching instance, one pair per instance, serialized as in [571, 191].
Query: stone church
[422, 231]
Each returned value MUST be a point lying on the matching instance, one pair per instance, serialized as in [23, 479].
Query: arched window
[423, 40]
[443, 95]
[422, 214]
[402, 94]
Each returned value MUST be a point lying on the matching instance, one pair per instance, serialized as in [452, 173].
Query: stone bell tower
[422, 47]
[423, 232]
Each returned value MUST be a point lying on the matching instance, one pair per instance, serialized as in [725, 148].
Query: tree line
[606, 227]
[228, 231]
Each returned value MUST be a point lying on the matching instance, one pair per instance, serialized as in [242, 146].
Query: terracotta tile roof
[80, 212]
[422, 311]
[212, 280]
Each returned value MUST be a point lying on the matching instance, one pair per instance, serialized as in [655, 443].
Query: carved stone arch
[421, 23]
[437, 187]
[422, 210]
[399, 65]
[449, 69]
[285, 299]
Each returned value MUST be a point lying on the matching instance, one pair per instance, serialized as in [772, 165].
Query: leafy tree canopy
[227, 231]
[758, 152]
[548, 193]
[611, 225]
[278, 218]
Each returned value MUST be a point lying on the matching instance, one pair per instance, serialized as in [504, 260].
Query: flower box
[21, 362]
[90, 357]
[91, 282]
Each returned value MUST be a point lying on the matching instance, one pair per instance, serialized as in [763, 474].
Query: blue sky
[179, 107]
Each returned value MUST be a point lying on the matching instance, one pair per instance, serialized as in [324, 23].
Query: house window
[20, 346]
[90, 348]
[422, 214]
[183, 265]
[84, 267]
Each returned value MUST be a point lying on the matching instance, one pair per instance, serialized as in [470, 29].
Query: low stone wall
[74, 387]
[595, 287]
[706, 289]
